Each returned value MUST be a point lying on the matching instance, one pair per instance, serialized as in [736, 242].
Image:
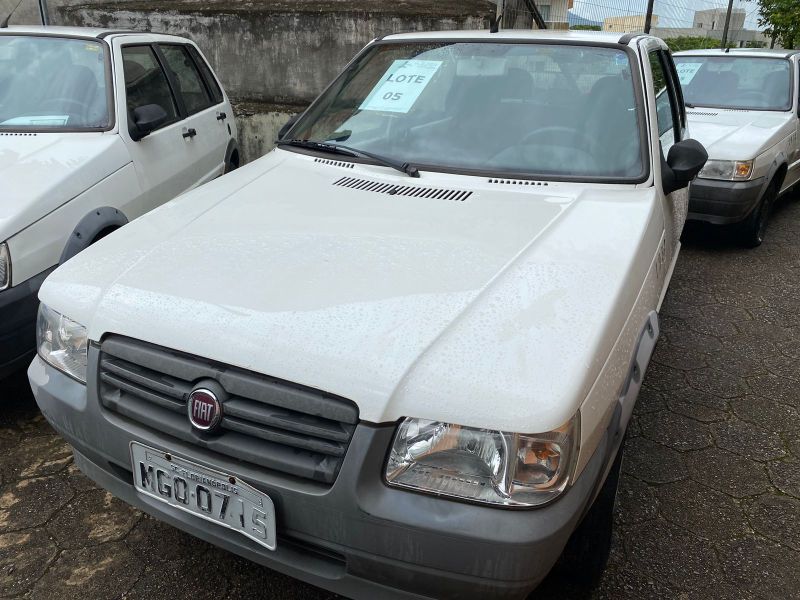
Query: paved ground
[709, 501]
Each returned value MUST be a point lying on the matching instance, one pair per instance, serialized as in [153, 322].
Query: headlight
[5, 267]
[728, 170]
[62, 342]
[479, 465]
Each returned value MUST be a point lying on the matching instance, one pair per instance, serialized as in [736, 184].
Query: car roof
[755, 52]
[534, 35]
[82, 32]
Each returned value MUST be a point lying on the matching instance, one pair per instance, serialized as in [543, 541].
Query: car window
[208, 75]
[190, 83]
[743, 82]
[145, 81]
[665, 101]
[556, 111]
[53, 83]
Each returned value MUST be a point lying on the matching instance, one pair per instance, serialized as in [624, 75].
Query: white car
[96, 128]
[743, 107]
[397, 356]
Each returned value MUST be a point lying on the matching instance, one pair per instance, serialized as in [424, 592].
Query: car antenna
[4, 24]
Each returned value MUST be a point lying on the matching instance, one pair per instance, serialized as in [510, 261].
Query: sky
[671, 13]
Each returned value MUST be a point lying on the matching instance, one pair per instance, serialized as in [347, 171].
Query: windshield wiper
[403, 167]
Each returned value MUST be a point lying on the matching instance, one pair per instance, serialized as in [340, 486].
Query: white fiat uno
[97, 127]
[397, 356]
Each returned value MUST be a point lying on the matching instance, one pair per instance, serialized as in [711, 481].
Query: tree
[781, 19]
[586, 27]
[687, 42]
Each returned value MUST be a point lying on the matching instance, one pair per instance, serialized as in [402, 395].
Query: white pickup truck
[397, 356]
[96, 128]
[743, 106]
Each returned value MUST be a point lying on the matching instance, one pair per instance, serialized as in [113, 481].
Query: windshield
[49, 83]
[747, 83]
[556, 111]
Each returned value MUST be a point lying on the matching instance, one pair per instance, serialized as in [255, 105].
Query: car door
[663, 86]
[205, 121]
[165, 159]
[793, 174]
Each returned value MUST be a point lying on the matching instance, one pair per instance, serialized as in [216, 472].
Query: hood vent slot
[402, 190]
[703, 114]
[18, 134]
[335, 163]
[518, 182]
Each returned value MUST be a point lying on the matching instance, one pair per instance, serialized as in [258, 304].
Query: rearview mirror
[685, 161]
[146, 119]
[289, 124]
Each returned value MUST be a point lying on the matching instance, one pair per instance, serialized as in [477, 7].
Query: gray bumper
[18, 307]
[724, 202]
[358, 537]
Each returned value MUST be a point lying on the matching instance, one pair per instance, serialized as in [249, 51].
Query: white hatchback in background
[96, 128]
[743, 107]
[397, 356]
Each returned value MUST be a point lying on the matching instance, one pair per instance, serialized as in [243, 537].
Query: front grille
[269, 423]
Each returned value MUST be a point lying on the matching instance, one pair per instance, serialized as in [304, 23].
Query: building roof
[778, 53]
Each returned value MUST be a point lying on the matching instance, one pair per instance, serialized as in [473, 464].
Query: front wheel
[755, 226]
[586, 554]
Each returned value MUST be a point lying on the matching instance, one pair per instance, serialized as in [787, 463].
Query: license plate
[206, 493]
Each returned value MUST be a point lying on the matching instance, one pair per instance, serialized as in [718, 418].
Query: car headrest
[133, 71]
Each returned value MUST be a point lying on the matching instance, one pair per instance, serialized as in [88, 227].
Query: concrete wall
[274, 57]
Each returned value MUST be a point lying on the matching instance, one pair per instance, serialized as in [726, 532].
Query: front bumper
[18, 306]
[724, 202]
[358, 537]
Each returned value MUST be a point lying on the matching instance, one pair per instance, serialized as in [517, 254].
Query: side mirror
[146, 119]
[289, 124]
[685, 161]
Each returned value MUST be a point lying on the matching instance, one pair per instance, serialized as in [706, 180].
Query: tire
[586, 554]
[233, 163]
[755, 226]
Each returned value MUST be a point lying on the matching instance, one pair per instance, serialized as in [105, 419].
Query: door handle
[190, 133]
[221, 116]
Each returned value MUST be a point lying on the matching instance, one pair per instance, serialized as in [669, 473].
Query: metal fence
[694, 23]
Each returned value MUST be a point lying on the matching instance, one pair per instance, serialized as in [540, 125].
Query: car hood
[738, 134]
[41, 171]
[409, 306]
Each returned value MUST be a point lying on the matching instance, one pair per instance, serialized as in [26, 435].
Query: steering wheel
[550, 130]
[62, 102]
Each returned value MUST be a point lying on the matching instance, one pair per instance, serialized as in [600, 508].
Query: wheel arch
[233, 156]
[95, 225]
[779, 174]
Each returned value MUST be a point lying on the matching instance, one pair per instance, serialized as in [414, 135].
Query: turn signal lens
[5, 267]
[743, 169]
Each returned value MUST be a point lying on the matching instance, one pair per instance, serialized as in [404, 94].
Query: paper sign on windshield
[687, 71]
[401, 85]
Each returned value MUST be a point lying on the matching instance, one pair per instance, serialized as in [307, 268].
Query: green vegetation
[687, 42]
[586, 27]
[781, 19]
